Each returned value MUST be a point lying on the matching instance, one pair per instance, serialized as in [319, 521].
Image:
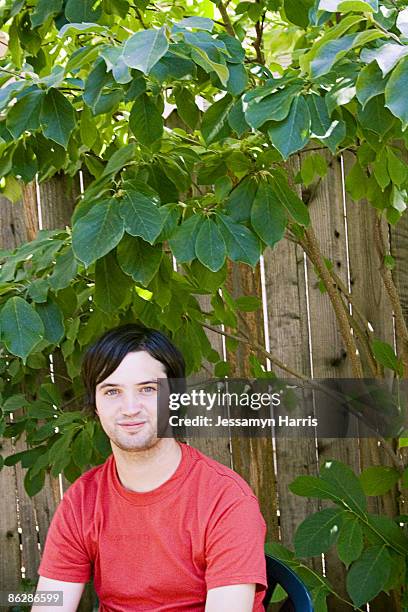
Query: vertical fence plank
[253, 457]
[18, 224]
[330, 359]
[289, 342]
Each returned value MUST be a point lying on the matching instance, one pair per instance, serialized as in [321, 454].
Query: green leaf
[182, 242]
[268, 217]
[139, 259]
[312, 486]
[329, 53]
[237, 80]
[290, 200]
[348, 485]
[387, 56]
[370, 83]
[111, 285]
[43, 10]
[368, 574]
[210, 246]
[57, 117]
[318, 532]
[186, 107]
[25, 114]
[53, 321]
[214, 125]
[34, 484]
[291, 134]
[200, 23]
[144, 49]
[397, 169]
[375, 117]
[200, 57]
[384, 353]
[248, 303]
[240, 200]
[20, 326]
[356, 182]
[97, 232]
[140, 213]
[82, 448]
[236, 118]
[350, 543]
[378, 479]
[319, 116]
[145, 120]
[79, 12]
[65, 269]
[395, 89]
[274, 107]
[297, 11]
[242, 244]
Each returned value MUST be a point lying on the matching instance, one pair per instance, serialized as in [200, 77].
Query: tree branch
[226, 19]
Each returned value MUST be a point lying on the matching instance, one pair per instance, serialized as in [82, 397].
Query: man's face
[126, 402]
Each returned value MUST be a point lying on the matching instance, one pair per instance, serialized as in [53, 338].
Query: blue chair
[279, 573]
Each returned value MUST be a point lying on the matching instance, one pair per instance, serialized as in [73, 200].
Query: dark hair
[104, 356]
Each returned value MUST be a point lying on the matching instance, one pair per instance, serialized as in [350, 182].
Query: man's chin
[135, 445]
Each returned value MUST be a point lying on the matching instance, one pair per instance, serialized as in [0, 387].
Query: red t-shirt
[164, 549]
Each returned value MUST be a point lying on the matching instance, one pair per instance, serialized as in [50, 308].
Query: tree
[88, 86]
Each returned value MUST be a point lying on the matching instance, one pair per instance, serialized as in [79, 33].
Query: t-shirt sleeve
[235, 546]
[65, 556]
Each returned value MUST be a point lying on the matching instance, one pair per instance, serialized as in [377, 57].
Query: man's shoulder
[218, 475]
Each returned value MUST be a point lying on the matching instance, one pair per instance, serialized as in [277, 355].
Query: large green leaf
[80, 12]
[318, 532]
[111, 285]
[368, 575]
[370, 83]
[329, 53]
[97, 232]
[53, 321]
[384, 353]
[139, 259]
[312, 486]
[297, 11]
[375, 117]
[319, 116]
[186, 107]
[140, 213]
[292, 134]
[182, 241]
[348, 485]
[268, 217]
[20, 326]
[43, 10]
[350, 543]
[242, 244]
[64, 270]
[274, 107]
[25, 114]
[396, 87]
[210, 246]
[387, 56]
[145, 120]
[214, 125]
[378, 479]
[290, 200]
[144, 49]
[57, 117]
[240, 200]
[82, 447]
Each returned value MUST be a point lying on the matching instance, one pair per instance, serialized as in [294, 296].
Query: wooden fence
[298, 326]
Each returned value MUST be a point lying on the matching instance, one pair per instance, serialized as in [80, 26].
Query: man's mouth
[133, 424]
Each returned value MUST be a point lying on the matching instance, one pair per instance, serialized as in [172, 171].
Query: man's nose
[132, 403]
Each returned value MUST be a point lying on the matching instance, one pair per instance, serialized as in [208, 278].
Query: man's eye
[149, 389]
[112, 392]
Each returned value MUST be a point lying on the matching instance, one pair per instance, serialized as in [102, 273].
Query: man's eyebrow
[146, 382]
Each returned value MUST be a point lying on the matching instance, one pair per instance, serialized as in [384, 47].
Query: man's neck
[146, 470]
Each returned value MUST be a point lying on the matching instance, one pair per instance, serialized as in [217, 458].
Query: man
[159, 525]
